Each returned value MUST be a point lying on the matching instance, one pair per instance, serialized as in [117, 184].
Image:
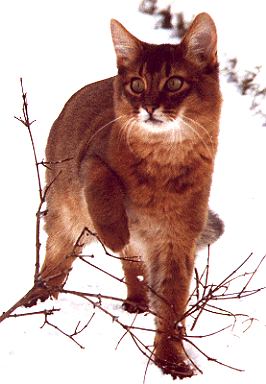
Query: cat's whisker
[180, 136]
[198, 125]
[121, 132]
[196, 133]
[130, 127]
[175, 135]
[125, 131]
[103, 127]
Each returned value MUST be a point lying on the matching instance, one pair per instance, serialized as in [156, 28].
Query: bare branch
[211, 358]
[26, 121]
[71, 337]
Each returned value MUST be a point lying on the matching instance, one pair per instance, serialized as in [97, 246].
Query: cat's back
[81, 116]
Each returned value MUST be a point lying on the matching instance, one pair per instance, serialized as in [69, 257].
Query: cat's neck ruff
[163, 143]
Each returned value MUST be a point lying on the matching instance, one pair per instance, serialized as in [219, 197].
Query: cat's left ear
[200, 41]
[127, 46]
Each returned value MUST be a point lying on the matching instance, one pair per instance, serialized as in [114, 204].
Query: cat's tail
[213, 229]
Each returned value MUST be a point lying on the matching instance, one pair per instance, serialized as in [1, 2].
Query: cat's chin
[160, 127]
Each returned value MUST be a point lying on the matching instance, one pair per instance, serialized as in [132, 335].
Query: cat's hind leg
[64, 244]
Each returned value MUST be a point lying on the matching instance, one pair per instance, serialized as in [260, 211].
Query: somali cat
[142, 147]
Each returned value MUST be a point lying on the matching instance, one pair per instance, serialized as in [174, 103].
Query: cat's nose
[150, 109]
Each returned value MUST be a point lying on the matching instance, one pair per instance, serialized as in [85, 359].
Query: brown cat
[142, 146]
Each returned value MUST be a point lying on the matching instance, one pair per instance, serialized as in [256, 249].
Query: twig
[46, 163]
[28, 124]
[209, 334]
[47, 312]
[211, 358]
[252, 275]
[150, 359]
[71, 337]
[130, 327]
[94, 234]
[204, 291]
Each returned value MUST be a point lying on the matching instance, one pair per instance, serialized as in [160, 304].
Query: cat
[141, 149]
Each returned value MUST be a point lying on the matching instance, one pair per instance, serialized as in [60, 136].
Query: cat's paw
[40, 291]
[170, 357]
[176, 369]
[36, 294]
[135, 305]
[114, 236]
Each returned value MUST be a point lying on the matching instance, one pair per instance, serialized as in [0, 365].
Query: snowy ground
[57, 47]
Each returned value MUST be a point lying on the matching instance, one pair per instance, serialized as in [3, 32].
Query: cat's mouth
[153, 120]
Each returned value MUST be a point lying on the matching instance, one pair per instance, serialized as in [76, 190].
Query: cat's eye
[174, 84]
[137, 85]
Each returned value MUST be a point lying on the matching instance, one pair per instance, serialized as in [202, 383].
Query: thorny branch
[42, 193]
[71, 336]
[202, 298]
[46, 312]
[206, 293]
[87, 232]
[26, 121]
[47, 163]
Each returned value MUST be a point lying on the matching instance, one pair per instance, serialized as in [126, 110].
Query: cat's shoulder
[101, 88]
[90, 99]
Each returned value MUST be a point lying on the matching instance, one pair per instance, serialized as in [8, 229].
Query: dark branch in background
[148, 6]
[166, 19]
[202, 299]
[248, 84]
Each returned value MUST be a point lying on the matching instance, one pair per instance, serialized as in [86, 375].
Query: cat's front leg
[134, 269]
[104, 194]
[170, 267]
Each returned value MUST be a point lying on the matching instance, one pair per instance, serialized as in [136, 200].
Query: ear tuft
[200, 41]
[127, 46]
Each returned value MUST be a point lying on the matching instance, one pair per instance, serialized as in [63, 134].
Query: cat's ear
[200, 41]
[127, 46]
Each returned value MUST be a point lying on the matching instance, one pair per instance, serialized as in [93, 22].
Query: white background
[57, 47]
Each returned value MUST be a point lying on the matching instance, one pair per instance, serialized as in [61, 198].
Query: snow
[57, 47]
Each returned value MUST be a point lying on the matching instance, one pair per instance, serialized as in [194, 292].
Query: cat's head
[163, 89]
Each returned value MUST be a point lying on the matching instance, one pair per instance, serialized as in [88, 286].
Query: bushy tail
[213, 229]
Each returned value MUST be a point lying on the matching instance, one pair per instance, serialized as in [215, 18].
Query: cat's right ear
[127, 46]
[200, 41]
